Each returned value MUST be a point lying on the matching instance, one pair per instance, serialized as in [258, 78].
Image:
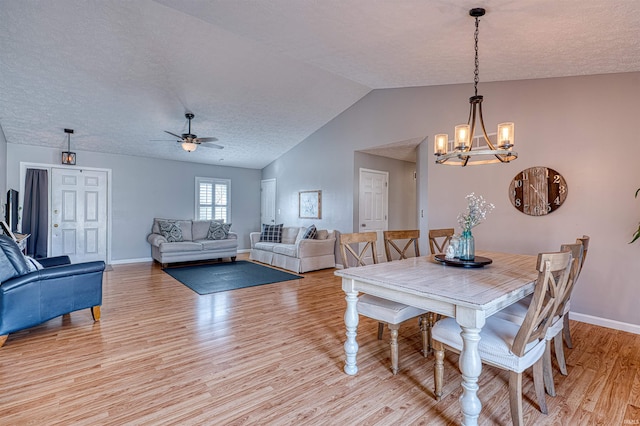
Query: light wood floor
[272, 354]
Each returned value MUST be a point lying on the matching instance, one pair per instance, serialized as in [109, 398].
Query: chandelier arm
[484, 131]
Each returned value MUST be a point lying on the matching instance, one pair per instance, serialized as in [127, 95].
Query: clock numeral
[518, 202]
[557, 201]
[525, 175]
[548, 207]
[526, 208]
[519, 183]
[536, 210]
[562, 189]
[514, 193]
[556, 179]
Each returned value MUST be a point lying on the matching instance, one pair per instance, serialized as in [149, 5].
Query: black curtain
[35, 219]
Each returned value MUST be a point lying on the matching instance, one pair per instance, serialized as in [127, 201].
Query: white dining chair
[507, 345]
[382, 310]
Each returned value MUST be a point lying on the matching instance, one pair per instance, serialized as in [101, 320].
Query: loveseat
[174, 240]
[297, 249]
[32, 292]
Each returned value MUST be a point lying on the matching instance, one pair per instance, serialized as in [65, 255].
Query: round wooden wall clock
[538, 191]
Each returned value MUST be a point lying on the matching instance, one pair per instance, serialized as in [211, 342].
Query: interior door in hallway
[79, 214]
[372, 209]
[268, 201]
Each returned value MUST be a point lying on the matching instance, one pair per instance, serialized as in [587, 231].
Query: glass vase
[467, 246]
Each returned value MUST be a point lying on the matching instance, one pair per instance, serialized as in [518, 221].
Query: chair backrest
[576, 265]
[392, 238]
[369, 238]
[439, 238]
[585, 247]
[553, 274]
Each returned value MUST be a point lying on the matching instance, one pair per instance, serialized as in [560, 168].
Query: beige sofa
[187, 240]
[295, 253]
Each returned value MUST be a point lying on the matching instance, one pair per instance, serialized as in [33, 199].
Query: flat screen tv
[12, 210]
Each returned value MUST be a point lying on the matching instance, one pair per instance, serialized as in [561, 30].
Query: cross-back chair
[392, 240]
[439, 238]
[382, 310]
[510, 346]
[566, 329]
[517, 312]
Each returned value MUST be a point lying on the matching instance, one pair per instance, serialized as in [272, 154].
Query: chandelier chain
[476, 72]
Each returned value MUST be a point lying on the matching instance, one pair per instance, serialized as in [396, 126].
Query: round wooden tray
[477, 262]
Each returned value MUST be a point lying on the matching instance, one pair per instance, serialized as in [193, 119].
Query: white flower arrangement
[477, 210]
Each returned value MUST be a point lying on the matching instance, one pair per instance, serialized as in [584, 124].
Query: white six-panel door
[373, 195]
[78, 226]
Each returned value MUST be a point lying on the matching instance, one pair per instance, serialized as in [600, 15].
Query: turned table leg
[351, 323]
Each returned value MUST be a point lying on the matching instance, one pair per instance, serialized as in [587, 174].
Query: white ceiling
[263, 75]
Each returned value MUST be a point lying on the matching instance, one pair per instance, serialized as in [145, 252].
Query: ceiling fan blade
[206, 139]
[211, 145]
[173, 134]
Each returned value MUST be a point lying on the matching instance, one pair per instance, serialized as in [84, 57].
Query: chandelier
[462, 152]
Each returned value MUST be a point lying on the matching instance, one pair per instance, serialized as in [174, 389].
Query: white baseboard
[123, 261]
[604, 322]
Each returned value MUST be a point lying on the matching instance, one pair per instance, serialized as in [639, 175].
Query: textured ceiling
[263, 75]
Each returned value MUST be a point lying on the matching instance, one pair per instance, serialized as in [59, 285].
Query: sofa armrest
[311, 248]
[232, 236]
[156, 239]
[49, 262]
[255, 238]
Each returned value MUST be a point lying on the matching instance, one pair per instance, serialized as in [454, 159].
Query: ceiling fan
[190, 142]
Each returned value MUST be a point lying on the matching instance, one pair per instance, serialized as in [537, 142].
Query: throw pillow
[33, 264]
[310, 234]
[271, 233]
[170, 230]
[218, 231]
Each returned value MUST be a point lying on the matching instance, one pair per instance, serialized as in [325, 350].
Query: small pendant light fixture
[68, 157]
[462, 153]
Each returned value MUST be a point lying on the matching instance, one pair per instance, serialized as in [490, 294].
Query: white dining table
[469, 295]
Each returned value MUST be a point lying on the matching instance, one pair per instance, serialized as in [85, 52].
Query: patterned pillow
[271, 233]
[310, 233]
[218, 231]
[170, 230]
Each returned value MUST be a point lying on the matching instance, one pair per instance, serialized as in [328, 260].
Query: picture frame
[310, 204]
[4, 229]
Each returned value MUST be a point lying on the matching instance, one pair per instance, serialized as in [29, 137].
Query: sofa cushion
[265, 246]
[199, 229]
[310, 233]
[300, 235]
[180, 246]
[271, 233]
[170, 230]
[290, 250]
[227, 243]
[218, 231]
[322, 234]
[289, 234]
[12, 263]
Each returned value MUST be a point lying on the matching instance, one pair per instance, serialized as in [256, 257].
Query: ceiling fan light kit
[68, 157]
[190, 142]
[462, 152]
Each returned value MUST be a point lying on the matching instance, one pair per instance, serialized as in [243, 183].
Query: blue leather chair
[31, 297]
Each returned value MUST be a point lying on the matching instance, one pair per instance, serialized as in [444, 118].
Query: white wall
[583, 127]
[144, 188]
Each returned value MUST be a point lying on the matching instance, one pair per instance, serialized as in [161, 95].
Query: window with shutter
[212, 199]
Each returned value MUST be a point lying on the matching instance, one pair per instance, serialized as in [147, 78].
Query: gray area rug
[224, 276]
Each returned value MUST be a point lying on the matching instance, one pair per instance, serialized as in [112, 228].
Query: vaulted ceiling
[263, 75]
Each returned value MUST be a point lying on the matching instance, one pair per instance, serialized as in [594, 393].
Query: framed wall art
[310, 204]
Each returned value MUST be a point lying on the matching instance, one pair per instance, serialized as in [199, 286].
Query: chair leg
[425, 330]
[566, 331]
[557, 341]
[515, 398]
[95, 312]
[431, 320]
[438, 371]
[547, 369]
[3, 339]
[538, 372]
[380, 330]
[393, 329]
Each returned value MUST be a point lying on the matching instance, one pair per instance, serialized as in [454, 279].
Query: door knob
[364, 225]
[55, 225]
